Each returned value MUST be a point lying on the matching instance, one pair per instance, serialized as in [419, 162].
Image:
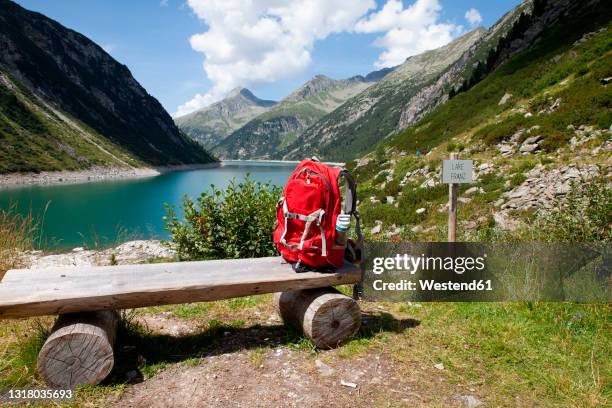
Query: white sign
[457, 171]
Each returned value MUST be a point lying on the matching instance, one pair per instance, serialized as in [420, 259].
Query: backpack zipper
[314, 173]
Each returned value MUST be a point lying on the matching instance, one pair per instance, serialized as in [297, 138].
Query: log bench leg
[79, 349]
[326, 316]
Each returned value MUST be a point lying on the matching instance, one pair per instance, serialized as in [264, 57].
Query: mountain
[265, 135]
[66, 104]
[211, 125]
[537, 126]
[374, 113]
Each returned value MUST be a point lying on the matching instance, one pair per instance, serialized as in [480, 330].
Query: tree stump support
[325, 315]
[79, 349]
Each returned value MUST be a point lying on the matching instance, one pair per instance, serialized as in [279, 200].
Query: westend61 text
[431, 285]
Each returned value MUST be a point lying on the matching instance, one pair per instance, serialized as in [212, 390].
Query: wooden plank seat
[79, 350]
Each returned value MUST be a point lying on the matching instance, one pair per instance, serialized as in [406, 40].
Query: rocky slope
[209, 126]
[66, 104]
[437, 92]
[374, 113]
[538, 128]
[270, 132]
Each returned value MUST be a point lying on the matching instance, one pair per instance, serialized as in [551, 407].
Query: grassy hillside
[557, 91]
[35, 136]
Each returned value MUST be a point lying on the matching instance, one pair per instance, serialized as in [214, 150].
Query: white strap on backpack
[309, 219]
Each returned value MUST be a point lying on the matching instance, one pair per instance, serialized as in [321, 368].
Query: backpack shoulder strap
[350, 193]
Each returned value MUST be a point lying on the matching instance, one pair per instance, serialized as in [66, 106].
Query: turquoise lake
[106, 213]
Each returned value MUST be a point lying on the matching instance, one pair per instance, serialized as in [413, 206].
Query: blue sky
[152, 38]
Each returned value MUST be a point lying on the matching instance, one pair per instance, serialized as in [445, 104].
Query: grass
[18, 233]
[551, 353]
[544, 354]
[20, 342]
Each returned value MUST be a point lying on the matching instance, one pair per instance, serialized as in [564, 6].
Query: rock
[324, 369]
[521, 191]
[363, 161]
[504, 99]
[534, 127]
[130, 252]
[532, 139]
[348, 384]
[416, 229]
[605, 81]
[474, 190]
[517, 135]
[529, 148]
[571, 173]
[420, 210]
[499, 202]
[528, 114]
[503, 221]
[394, 232]
[428, 183]
[390, 199]
[439, 366]
[468, 400]
[556, 104]
[376, 229]
[505, 149]
[464, 200]
[563, 189]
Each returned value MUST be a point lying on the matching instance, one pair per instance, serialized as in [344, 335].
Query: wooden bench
[80, 347]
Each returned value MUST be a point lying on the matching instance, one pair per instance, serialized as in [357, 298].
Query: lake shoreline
[97, 173]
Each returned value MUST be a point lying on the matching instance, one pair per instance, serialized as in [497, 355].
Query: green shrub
[451, 147]
[523, 166]
[496, 132]
[392, 188]
[517, 180]
[234, 223]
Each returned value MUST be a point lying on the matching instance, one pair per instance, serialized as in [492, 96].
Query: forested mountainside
[210, 125]
[537, 125]
[66, 104]
[266, 134]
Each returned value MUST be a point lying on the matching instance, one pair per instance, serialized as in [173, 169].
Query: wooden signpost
[454, 172]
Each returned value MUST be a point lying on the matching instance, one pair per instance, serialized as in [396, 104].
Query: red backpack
[306, 215]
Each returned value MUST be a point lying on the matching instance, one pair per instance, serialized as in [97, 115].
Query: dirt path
[254, 366]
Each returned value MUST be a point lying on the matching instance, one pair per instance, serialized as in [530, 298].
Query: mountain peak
[236, 91]
[247, 96]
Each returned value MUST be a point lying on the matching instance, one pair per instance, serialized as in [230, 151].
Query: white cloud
[163, 3]
[258, 41]
[408, 31]
[473, 16]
